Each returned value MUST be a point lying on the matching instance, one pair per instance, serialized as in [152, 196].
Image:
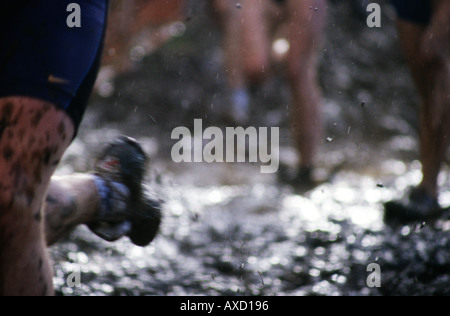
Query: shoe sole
[145, 225]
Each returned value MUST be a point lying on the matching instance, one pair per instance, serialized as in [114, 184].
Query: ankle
[428, 191]
[112, 197]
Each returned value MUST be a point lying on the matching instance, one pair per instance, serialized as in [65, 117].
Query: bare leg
[71, 201]
[230, 21]
[307, 21]
[427, 50]
[255, 41]
[33, 137]
[231, 18]
[435, 114]
[246, 45]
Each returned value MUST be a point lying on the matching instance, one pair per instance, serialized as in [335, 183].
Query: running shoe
[126, 210]
[300, 179]
[418, 205]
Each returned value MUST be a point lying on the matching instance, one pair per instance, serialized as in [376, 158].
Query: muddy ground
[230, 230]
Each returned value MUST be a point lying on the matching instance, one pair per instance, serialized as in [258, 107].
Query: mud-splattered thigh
[33, 136]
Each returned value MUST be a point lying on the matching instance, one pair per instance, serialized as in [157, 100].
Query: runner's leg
[33, 137]
[307, 21]
[426, 50]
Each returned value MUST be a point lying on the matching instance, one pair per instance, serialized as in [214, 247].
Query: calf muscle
[33, 136]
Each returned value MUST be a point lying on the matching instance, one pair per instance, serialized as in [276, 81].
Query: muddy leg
[33, 137]
[71, 201]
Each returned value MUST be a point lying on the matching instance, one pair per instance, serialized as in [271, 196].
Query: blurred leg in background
[248, 34]
[307, 21]
[424, 28]
[132, 19]
[246, 46]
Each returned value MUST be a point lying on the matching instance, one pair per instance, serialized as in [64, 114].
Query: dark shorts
[42, 57]
[280, 2]
[415, 11]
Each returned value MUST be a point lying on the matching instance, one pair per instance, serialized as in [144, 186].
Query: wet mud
[230, 230]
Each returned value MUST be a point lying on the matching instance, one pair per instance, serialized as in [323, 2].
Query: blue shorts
[415, 11]
[42, 57]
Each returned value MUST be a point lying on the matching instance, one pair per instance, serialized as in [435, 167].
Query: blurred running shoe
[126, 209]
[418, 205]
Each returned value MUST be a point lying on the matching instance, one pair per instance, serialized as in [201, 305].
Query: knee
[23, 178]
[11, 180]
